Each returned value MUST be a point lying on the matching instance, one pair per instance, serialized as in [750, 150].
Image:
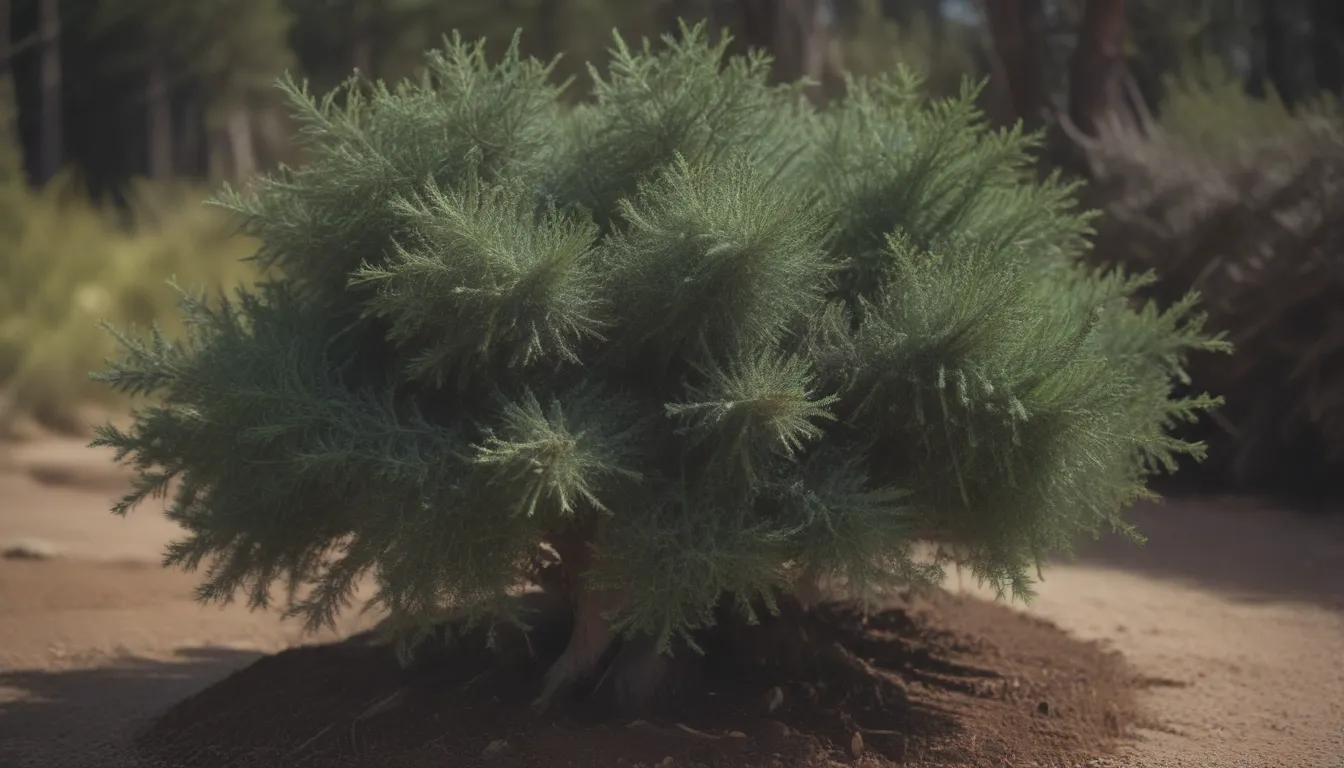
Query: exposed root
[636, 675]
[591, 636]
[588, 643]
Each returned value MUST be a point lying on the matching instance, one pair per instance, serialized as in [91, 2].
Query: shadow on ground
[1239, 547]
[85, 717]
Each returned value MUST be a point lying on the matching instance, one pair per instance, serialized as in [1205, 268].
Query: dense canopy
[713, 336]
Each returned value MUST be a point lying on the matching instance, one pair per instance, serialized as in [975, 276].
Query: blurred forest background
[1207, 133]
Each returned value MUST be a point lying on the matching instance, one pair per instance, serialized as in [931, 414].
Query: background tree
[798, 33]
[13, 177]
[1328, 45]
[1017, 38]
[1099, 73]
[1288, 41]
[50, 154]
[207, 70]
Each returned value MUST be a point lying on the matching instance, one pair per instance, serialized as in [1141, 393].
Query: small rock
[736, 735]
[856, 745]
[30, 549]
[494, 747]
[20, 429]
[899, 746]
[779, 729]
[774, 699]
[1043, 709]
[666, 761]
[1112, 720]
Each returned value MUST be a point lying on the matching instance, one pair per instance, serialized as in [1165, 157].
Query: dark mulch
[931, 681]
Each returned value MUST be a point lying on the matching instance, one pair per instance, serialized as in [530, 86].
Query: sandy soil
[1236, 610]
[1239, 609]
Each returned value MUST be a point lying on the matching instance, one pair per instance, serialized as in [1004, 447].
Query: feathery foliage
[722, 336]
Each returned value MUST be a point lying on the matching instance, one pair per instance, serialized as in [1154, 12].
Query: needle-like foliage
[722, 337]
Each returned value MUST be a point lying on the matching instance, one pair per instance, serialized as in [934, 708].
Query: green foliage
[375, 150]
[721, 337]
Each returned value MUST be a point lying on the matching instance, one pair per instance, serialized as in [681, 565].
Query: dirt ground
[1230, 622]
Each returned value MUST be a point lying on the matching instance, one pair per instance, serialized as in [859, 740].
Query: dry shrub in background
[1240, 200]
[67, 265]
[872, 42]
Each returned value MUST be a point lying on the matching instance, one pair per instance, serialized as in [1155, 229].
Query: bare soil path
[1232, 613]
[1240, 609]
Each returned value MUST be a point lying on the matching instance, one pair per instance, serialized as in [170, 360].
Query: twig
[383, 705]
[698, 734]
[309, 742]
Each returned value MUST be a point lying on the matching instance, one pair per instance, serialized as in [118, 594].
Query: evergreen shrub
[703, 341]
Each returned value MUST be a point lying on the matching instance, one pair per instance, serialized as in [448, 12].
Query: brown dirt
[1237, 605]
[937, 681]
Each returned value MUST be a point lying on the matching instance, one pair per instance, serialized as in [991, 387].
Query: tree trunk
[1098, 70]
[549, 34]
[798, 33]
[1017, 39]
[1288, 49]
[189, 157]
[1328, 27]
[240, 144]
[273, 137]
[937, 20]
[591, 636]
[670, 13]
[361, 38]
[159, 119]
[216, 157]
[6, 44]
[51, 141]
[11, 143]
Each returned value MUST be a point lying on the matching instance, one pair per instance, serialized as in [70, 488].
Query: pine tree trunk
[361, 42]
[1017, 37]
[159, 120]
[797, 33]
[189, 139]
[240, 144]
[11, 144]
[549, 34]
[936, 18]
[6, 44]
[8, 98]
[1097, 76]
[1288, 49]
[216, 157]
[1328, 28]
[51, 141]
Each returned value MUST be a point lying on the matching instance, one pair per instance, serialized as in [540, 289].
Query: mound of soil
[931, 681]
